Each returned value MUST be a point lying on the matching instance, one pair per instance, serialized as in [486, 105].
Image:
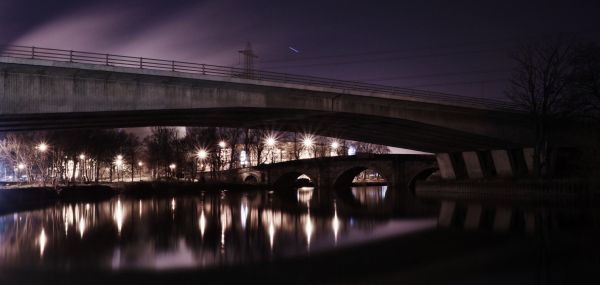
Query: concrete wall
[87, 95]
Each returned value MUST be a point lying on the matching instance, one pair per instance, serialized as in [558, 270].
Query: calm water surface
[207, 230]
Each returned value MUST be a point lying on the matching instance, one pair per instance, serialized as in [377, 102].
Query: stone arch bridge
[399, 170]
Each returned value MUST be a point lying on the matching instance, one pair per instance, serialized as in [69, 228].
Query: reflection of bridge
[43, 88]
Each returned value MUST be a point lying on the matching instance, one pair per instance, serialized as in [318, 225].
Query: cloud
[201, 33]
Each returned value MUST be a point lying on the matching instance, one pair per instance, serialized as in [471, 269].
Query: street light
[222, 144]
[270, 141]
[172, 166]
[42, 147]
[202, 154]
[140, 164]
[21, 166]
[335, 145]
[119, 163]
[82, 166]
[308, 142]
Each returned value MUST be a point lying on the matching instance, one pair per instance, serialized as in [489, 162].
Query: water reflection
[119, 215]
[335, 223]
[370, 196]
[42, 242]
[234, 228]
[305, 194]
[202, 223]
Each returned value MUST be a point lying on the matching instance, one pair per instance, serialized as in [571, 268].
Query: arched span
[289, 180]
[422, 175]
[251, 179]
[344, 180]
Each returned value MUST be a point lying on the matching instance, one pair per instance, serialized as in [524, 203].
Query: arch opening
[299, 184]
[251, 179]
[294, 180]
[363, 186]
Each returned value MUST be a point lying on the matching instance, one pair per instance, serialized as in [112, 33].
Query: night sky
[456, 47]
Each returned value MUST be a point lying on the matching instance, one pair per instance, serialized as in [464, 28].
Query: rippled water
[211, 229]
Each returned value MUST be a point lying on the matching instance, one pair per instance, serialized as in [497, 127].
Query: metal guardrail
[30, 52]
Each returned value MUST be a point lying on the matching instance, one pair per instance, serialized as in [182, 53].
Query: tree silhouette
[540, 85]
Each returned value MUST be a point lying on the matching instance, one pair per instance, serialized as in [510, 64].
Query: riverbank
[523, 191]
[15, 198]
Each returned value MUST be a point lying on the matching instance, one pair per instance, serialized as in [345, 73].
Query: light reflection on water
[185, 231]
[370, 196]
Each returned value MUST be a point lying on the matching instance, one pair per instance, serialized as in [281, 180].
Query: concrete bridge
[42, 89]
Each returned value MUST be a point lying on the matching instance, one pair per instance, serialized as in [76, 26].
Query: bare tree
[371, 148]
[233, 136]
[539, 84]
[586, 77]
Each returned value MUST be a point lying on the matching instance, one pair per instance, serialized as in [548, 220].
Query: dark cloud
[449, 46]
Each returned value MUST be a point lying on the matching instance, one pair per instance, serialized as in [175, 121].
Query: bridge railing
[226, 71]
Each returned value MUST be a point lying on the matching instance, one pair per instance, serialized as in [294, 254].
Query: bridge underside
[372, 129]
[38, 94]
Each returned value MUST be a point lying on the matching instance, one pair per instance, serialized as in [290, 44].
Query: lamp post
[270, 142]
[222, 154]
[42, 148]
[119, 164]
[20, 167]
[82, 167]
[172, 167]
[202, 154]
[308, 143]
[334, 147]
[140, 165]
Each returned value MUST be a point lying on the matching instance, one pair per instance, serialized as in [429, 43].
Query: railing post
[70, 56]
[32, 52]
[173, 65]
[141, 62]
[107, 59]
[203, 71]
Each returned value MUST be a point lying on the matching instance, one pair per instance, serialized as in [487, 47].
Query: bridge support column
[473, 164]
[528, 154]
[502, 163]
[445, 164]
[502, 219]
[446, 213]
[473, 219]
[452, 165]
